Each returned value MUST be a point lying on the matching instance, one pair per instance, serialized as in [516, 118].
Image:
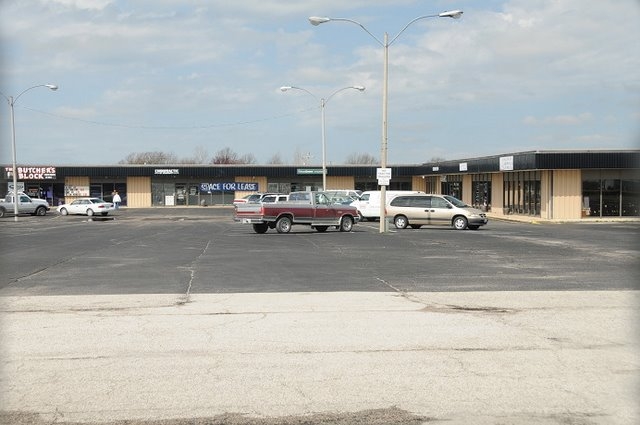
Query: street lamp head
[317, 20]
[359, 88]
[51, 86]
[285, 88]
[455, 14]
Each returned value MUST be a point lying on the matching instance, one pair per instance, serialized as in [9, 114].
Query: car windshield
[455, 201]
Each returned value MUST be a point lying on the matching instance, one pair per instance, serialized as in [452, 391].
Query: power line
[193, 127]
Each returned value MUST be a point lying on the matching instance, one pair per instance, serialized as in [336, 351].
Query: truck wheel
[283, 225]
[346, 224]
[260, 228]
[321, 229]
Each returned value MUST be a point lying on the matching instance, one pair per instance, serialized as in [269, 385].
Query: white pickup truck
[26, 205]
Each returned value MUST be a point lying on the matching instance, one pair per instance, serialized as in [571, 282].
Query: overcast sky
[180, 76]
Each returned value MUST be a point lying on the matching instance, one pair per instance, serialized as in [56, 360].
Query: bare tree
[301, 158]
[276, 159]
[361, 158]
[156, 157]
[248, 158]
[228, 156]
[225, 156]
[200, 156]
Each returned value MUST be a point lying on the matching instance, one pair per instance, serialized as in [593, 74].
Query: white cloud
[559, 119]
[81, 4]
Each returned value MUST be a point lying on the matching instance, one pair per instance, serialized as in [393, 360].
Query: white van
[369, 203]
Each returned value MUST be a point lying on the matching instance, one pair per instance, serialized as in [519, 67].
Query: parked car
[87, 206]
[307, 208]
[369, 203]
[252, 198]
[275, 198]
[419, 209]
[343, 193]
[26, 205]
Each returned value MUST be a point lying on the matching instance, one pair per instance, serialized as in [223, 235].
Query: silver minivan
[369, 203]
[420, 209]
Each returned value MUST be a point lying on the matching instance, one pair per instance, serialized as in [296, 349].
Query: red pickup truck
[313, 209]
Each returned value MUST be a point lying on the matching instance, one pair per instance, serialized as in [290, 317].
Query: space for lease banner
[228, 187]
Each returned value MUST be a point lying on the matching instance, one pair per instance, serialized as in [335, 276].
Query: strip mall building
[553, 185]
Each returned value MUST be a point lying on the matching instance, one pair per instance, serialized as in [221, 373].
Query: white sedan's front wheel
[64, 211]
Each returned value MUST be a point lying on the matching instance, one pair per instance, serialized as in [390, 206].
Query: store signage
[306, 171]
[463, 166]
[166, 171]
[32, 173]
[506, 163]
[384, 176]
[76, 190]
[20, 187]
[228, 187]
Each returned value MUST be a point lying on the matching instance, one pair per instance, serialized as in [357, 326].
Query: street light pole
[12, 102]
[385, 43]
[323, 103]
[385, 134]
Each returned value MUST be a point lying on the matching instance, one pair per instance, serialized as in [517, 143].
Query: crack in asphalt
[186, 298]
[40, 270]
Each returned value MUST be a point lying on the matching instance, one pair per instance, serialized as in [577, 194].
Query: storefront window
[610, 198]
[279, 187]
[630, 198]
[452, 185]
[106, 190]
[481, 191]
[610, 194]
[522, 193]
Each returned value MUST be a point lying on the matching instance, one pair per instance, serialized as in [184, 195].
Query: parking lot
[168, 250]
[181, 313]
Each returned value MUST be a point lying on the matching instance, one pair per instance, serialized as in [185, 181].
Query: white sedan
[87, 206]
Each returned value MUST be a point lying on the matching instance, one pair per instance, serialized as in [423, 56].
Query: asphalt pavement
[181, 316]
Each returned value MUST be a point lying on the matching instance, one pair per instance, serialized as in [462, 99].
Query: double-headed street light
[323, 102]
[12, 102]
[385, 43]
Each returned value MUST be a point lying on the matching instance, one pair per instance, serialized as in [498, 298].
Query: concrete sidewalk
[460, 358]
